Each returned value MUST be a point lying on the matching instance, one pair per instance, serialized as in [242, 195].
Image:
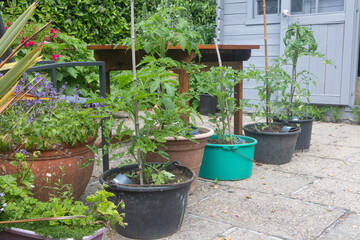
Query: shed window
[316, 6]
[272, 7]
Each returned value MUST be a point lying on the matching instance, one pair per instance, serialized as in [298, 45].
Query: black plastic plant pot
[150, 211]
[272, 147]
[208, 104]
[304, 139]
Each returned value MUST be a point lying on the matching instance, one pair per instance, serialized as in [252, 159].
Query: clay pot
[61, 165]
[188, 153]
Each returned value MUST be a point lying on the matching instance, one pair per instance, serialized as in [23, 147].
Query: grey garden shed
[336, 28]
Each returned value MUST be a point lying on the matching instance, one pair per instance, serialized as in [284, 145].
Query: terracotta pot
[70, 158]
[189, 153]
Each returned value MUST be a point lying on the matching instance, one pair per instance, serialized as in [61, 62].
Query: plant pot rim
[44, 153]
[89, 141]
[255, 131]
[146, 187]
[209, 132]
[29, 233]
[253, 142]
[308, 119]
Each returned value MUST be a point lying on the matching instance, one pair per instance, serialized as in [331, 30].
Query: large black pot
[150, 211]
[272, 147]
[304, 139]
[208, 104]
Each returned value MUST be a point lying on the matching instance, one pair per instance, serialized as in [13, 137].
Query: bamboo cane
[137, 126]
[267, 100]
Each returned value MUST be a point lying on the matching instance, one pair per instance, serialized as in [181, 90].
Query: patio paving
[315, 196]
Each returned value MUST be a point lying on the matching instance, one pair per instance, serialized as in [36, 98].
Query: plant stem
[137, 127]
[293, 74]
[223, 89]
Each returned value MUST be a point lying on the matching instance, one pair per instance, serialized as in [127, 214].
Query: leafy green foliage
[356, 112]
[21, 205]
[58, 123]
[274, 80]
[156, 174]
[299, 41]
[167, 27]
[60, 47]
[156, 97]
[106, 22]
[220, 82]
[336, 113]
[317, 111]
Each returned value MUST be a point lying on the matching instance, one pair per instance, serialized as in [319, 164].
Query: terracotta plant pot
[188, 153]
[63, 165]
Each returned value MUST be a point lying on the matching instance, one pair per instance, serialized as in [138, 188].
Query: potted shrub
[155, 195]
[60, 130]
[24, 217]
[226, 156]
[170, 27]
[276, 141]
[299, 41]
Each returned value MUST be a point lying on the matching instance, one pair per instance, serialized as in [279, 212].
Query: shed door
[332, 22]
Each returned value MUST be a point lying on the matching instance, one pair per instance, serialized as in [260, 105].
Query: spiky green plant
[9, 80]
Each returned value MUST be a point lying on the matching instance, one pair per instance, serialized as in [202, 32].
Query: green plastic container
[228, 162]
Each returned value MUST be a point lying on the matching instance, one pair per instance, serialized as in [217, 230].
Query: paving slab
[205, 189]
[348, 228]
[332, 152]
[243, 234]
[266, 180]
[333, 192]
[193, 228]
[323, 168]
[267, 214]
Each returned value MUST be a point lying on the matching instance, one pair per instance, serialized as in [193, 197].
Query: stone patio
[315, 196]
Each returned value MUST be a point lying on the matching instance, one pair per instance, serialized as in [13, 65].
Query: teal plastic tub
[228, 162]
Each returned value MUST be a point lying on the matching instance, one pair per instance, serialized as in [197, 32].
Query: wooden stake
[140, 156]
[267, 100]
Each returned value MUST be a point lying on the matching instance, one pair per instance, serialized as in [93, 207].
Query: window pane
[316, 6]
[331, 6]
[272, 7]
[296, 6]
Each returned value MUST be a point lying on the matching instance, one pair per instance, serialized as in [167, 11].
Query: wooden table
[119, 58]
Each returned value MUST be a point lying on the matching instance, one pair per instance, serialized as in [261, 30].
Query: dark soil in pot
[272, 147]
[152, 211]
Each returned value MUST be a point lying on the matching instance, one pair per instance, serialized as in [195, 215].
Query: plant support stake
[267, 100]
[136, 114]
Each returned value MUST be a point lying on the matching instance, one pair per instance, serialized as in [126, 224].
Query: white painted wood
[337, 32]
[235, 8]
[348, 73]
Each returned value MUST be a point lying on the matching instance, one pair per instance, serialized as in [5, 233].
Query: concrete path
[315, 196]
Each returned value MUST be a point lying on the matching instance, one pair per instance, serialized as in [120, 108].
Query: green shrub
[317, 111]
[356, 112]
[106, 22]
